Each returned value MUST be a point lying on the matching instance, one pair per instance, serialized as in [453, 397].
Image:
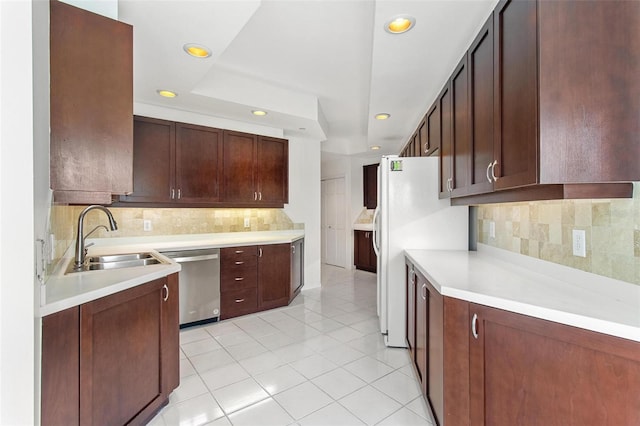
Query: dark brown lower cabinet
[114, 360]
[274, 275]
[254, 278]
[425, 338]
[529, 371]
[484, 366]
[364, 257]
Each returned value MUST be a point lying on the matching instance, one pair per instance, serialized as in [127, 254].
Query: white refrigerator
[409, 216]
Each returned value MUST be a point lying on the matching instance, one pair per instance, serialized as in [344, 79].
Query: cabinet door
[197, 163]
[238, 171]
[274, 275]
[115, 331]
[435, 353]
[153, 161]
[481, 110]
[433, 129]
[423, 139]
[370, 185]
[91, 102]
[422, 319]
[516, 94]
[460, 128]
[170, 337]
[60, 374]
[411, 310]
[530, 371]
[446, 143]
[273, 170]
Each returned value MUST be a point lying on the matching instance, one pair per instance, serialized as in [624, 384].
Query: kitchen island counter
[63, 291]
[529, 286]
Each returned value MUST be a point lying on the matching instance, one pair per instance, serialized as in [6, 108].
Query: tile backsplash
[543, 229]
[166, 221]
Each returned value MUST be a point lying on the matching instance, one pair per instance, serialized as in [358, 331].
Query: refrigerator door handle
[376, 246]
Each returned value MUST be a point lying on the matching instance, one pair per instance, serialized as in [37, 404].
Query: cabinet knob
[166, 292]
[474, 326]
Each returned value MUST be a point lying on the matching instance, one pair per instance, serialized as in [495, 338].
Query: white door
[334, 234]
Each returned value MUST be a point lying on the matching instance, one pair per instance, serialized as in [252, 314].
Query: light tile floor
[319, 361]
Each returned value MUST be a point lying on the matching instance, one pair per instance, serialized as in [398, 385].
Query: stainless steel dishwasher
[199, 285]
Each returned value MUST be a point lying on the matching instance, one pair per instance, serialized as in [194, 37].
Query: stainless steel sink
[116, 261]
[120, 257]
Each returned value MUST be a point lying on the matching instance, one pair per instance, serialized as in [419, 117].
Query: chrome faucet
[81, 251]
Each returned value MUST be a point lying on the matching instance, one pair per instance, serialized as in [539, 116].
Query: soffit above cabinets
[321, 69]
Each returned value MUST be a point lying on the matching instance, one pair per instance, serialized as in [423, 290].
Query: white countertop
[529, 286]
[65, 291]
[363, 226]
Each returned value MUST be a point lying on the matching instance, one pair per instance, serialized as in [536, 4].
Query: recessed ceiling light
[382, 116]
[167, 93]
[258, 112]
[197, 50]
[375, 148]
[399, 24]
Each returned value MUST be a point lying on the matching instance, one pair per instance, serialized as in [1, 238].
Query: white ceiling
[320, 68]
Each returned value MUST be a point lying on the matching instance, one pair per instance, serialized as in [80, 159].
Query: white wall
[304, 201]
[304, 176]
[17, 358]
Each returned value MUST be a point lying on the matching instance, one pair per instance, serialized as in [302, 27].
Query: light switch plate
[492, 229]
[579, 243]
[146, 224]
[247, 222]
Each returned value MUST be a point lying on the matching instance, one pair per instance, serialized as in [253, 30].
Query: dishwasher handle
[194, 258]
[183, 256]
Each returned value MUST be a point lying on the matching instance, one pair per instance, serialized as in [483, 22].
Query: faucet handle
[86, 248]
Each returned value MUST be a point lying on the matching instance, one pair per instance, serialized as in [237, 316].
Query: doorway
[334, 234]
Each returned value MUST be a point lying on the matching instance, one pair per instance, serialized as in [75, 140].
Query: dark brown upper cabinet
[565, 124]
[175, 162]
[431, 129]
[453, 103]
[91, 77]
[179, 164]
[370, 185]
[255, 170]
[481, 140]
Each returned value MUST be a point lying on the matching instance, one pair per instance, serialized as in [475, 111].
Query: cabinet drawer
[238, 302]
[236, 280]
[230, 255]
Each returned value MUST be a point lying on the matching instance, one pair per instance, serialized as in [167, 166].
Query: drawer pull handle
[239, 251]
[239, 300]
[260, 252]
[239, 263]
[474, 326]
[166, 294]
[493, 170]
[239, 278]
[423, 292]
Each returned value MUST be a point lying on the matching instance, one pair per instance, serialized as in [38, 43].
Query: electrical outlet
[146, 225]
[579, 243]
[247, 222]
[492, 229]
